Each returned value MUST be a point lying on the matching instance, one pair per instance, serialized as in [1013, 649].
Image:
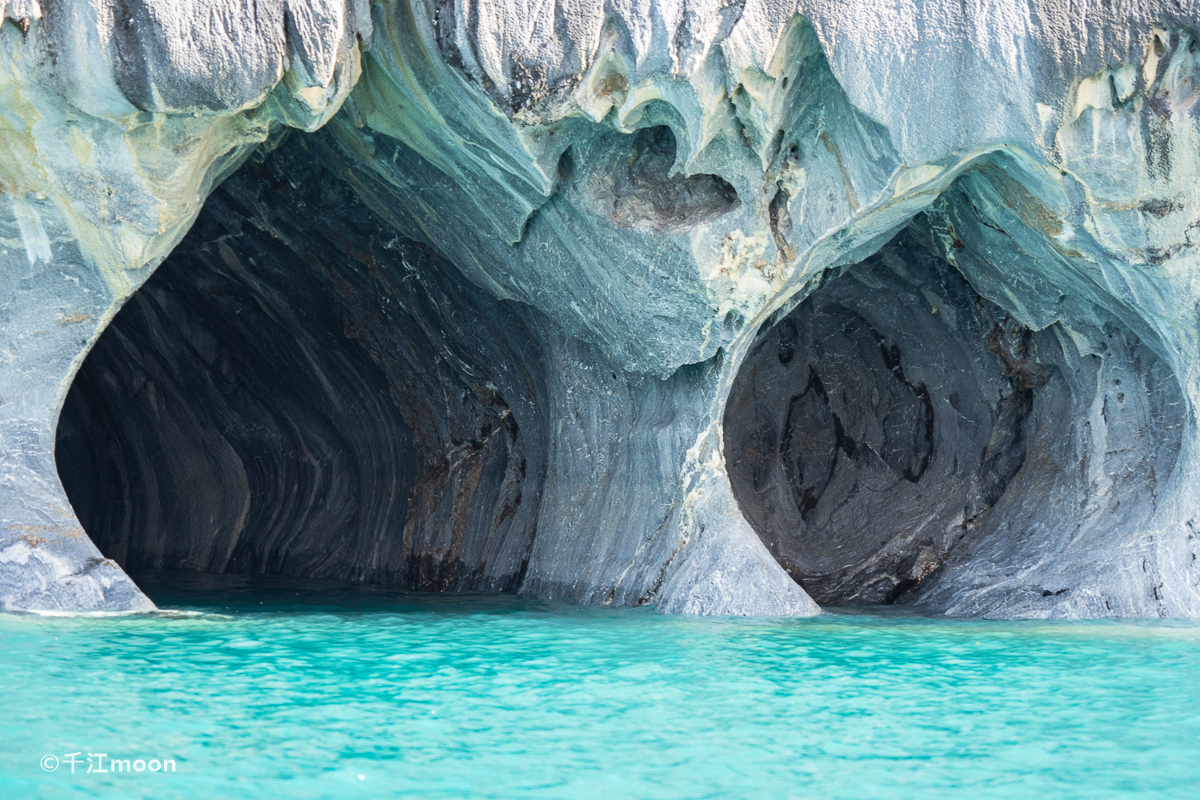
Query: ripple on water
[279, 689]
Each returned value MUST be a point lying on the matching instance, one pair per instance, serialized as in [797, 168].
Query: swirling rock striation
[287, 384]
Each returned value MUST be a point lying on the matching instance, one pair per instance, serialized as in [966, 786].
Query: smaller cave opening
[895, 424]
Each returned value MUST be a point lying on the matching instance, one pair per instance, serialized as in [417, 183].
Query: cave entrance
[897, 427]
[296, 391]
[225, 423]
[871, 427]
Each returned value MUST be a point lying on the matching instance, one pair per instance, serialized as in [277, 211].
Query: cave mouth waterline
[877, 436]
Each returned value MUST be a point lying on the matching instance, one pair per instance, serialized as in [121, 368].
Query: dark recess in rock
[875, 431]
[645, 194]
[294, 393]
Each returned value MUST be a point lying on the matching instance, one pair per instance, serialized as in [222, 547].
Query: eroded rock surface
[587, 255]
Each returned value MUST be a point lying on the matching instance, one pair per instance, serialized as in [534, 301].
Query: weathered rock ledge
[730, 308]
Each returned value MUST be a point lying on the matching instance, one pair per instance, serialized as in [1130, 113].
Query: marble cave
[724, 307]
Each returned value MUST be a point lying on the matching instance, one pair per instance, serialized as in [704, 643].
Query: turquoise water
[283, 691]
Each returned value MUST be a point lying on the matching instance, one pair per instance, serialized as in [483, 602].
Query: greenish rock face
[738, 308]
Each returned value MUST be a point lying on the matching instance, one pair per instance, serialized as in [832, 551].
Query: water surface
[286, 690]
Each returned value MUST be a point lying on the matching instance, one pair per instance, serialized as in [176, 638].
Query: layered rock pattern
[588, 255]
[302, 381]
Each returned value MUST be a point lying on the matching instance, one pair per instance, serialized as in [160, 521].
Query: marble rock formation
[728, 307]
